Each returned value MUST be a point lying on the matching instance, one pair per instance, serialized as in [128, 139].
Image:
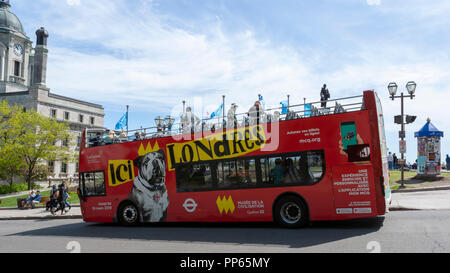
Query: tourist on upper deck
[189, 121]
[255, 113]
[96, 141]
[231, 116]
[137, 136]
[324, 95]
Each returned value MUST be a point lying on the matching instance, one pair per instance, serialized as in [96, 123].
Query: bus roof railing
[296, 111]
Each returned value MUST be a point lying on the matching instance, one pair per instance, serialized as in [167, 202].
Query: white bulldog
[149, 191]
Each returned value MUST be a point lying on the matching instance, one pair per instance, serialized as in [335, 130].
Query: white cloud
[373, 2]
[73, 2]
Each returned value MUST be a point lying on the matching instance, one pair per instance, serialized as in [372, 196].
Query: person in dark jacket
[324, 95]
[52, 202]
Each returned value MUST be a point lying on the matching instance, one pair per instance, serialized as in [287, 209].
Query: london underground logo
[190, 205]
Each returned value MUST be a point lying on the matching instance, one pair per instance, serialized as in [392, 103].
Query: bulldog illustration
[149, 191]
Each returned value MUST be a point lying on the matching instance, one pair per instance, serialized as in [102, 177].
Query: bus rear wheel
[128, 214]
[291, 212]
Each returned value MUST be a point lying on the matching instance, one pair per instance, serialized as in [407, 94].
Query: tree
[11, 164]
[32, 138]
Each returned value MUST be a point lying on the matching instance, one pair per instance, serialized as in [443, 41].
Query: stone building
[23, 82]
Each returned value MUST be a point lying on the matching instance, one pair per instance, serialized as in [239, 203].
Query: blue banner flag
[307, 110]
[218, 112]
[261, 100]
[122, 122]
[284, 105]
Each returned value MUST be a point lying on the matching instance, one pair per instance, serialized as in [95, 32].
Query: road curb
[421, 189]
[41, 218]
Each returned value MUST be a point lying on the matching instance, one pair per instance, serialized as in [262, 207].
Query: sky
[152, 54]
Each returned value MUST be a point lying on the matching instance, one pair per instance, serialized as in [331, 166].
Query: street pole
[402, 137]
[411, 88]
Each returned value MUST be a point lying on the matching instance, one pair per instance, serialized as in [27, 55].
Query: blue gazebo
[429, 149]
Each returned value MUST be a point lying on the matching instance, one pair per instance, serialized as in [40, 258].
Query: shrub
[5, 189]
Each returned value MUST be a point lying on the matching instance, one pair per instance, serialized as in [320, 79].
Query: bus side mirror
[80, 195]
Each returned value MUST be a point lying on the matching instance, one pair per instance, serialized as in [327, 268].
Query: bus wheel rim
[291, 213]
[129, 214]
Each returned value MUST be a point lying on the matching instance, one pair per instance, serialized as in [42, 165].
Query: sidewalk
[38, 214]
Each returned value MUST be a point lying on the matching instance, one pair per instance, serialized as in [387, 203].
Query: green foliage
[27, 139]
[5, 189]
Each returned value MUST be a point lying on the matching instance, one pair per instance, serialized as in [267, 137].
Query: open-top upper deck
[209, 125]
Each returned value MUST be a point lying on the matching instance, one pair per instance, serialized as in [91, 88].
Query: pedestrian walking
[324, 95]
[447, 162]
[395, 161]
[66, 201]
[390, 161]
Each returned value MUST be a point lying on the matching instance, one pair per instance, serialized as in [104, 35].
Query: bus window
[316, 165]
[304, 168]
[271, 170]
[246, 171]
[192, 177]
[93, 184]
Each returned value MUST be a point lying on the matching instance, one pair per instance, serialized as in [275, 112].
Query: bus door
[354, 191]
[92, 193]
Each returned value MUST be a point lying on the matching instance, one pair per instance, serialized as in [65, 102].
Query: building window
[16, 68]
[78, 141]
[65, 142]
[81, 118]
[53, 113]
[63, 167]
[66, 115]
[51, 166]
[92, 120]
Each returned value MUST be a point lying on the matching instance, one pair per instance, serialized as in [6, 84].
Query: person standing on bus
[324, 95]
[189, 121]
[231, 116]
[255, 113]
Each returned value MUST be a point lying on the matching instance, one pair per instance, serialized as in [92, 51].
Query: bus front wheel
[128, 214]
[291, 212]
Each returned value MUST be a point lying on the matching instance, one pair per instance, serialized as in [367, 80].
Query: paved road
[399, 231]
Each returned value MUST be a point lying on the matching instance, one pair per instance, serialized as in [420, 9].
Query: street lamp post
[411, 88]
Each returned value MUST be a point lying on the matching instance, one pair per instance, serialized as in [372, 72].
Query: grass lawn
[396, 177]
[12, 201]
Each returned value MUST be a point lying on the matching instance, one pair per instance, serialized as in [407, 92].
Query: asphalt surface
[422, 231]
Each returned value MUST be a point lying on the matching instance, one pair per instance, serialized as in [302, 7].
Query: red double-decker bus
[307, 165]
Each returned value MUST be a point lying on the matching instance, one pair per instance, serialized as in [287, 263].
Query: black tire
[128, 214]
[291, 212]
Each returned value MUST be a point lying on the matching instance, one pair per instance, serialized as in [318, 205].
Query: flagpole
[127, 119]
[223, 111]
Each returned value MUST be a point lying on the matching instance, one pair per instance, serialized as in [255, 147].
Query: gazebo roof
[429, 130]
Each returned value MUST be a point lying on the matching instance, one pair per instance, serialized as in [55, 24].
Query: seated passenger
[137, 136]
[96, 141]
[276, 174]
[305, 174]
[291, 174]
[108, 138]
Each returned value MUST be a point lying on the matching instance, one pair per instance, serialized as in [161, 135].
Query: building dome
[8, 20]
